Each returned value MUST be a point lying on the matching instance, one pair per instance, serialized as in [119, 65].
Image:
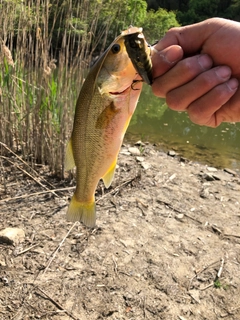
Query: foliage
[46, 48]
[191, 11]
[157, 23]
[198, 11]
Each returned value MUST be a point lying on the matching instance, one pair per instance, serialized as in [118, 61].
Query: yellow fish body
[104, 108]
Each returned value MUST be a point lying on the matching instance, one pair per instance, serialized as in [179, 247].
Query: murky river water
[155, 123]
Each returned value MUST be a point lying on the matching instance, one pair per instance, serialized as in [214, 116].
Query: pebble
[212, 169]
[134, 151]
[12, 236]
[230, 171]
[207, 176]
[140, 159]
[180, 216]
[171, 153]
[139, 143]
[145, 165]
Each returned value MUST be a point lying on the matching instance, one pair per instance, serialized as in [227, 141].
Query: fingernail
[173, 54]
[223, 72]
[205, 61]
[232, 84]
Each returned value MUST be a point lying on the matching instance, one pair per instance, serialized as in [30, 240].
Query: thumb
[164, 60]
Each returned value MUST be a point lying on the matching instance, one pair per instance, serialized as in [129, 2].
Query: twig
[25, 163]
[57, 304]
[217, 276]
[169, 205]
[25, 250]
[231, 235]
[208, 286]
[118, 187]
[28, 174]
[115, 266]
[58, 247]
[36, 194]
[220, 269]
[200, 271]
[205, 268]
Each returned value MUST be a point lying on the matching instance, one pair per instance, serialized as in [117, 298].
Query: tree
[156, 24]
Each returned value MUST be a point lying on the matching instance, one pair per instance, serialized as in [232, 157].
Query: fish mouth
[117, 93]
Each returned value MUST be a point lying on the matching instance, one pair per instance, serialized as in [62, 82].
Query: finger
[163, 60]
[180, 98]
[183, 72]
[186, 36]
[204, 111]
[230, 111]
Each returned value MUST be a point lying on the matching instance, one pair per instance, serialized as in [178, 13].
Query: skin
[196, 68]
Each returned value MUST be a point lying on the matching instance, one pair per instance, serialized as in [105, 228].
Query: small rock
[139, 143]
[184, 160]
[134, 151]
[171, 153]
[230, 171]
[125, 153]
[204, 193]
[12, 236]
[207, 176]
[145, 165]
[173, 176]
[140, 159]
[180, 216]
[212, 169]
[195, 295]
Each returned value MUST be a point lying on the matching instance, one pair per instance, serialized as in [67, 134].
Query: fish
[104, 108]
[139, 52]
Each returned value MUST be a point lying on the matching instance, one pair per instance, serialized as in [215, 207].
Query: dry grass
[44, 51]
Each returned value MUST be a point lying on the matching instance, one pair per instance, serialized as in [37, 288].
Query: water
[155, 123]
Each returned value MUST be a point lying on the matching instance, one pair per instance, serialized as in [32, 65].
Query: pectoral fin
[108, 177]
[69, 159]
[106, 117]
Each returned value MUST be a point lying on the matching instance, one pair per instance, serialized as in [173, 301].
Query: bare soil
[166, 245]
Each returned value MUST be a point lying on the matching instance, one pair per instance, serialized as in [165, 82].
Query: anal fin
[69, 159]
[108, 177]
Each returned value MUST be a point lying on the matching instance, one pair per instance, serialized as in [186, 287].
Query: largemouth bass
[104, 108]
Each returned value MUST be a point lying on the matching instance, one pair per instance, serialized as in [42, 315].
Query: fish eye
[116, 48]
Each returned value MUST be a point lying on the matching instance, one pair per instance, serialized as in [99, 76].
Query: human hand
[205, 82]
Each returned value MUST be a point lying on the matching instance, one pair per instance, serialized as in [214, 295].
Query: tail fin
[82, 211]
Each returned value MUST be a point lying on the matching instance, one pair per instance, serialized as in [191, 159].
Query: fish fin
[69, 159]
[108, 177]
[82, 211]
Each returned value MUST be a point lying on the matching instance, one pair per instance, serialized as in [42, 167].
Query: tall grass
[45, 48]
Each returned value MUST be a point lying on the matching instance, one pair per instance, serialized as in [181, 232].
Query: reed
[44, 52]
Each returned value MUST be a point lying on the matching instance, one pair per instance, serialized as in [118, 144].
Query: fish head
[117, 72]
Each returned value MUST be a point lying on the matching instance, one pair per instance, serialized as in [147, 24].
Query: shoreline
[164, 229]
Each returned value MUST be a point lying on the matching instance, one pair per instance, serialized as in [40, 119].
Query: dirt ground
[166, 245]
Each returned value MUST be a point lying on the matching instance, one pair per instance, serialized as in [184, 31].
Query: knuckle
[189, 67]
[174, 102]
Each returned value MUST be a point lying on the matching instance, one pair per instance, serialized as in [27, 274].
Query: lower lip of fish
[117, 93]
